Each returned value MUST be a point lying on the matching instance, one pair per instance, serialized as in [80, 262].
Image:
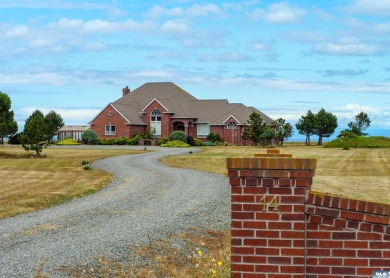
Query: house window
[110, 130]
[203, 130]
[231, 125]
[155, 122]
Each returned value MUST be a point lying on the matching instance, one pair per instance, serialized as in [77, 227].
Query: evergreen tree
[306, 125]
[361, 123]
[8, 126]
[325, 124]
[283, 131]
[34, 135]
[254, 129]
[53, 123]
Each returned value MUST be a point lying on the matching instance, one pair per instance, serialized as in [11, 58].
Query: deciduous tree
[34, 135]
[8, 126]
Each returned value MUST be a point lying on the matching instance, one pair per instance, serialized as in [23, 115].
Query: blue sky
[283, 57]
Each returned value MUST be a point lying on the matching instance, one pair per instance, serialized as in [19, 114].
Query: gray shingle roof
[181, 104]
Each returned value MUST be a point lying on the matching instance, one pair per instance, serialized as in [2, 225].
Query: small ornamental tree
[8, 126]
[34, 135]
[89, 137]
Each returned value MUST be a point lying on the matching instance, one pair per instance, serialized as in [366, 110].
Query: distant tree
[325, 124]
[8, 126]
[254, 129]
[361, 123]
[267, 136]
[89, 137]
[34, 135]
[306, 125]
[53, 123]
[283, 131]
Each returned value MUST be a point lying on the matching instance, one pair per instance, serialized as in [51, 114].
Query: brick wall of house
[280, 228]
[107, 118]
[165, 119]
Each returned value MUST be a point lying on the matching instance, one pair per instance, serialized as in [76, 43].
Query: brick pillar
[268, 215]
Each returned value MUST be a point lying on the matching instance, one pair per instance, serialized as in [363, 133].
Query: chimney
[126, 90]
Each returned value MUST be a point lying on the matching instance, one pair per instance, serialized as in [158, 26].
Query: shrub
[106, 141]
[214, 137]
[162, 140]
[190, 141]
[197, 142]
[84, 162]
[121, 140]
[208, 143]
[347, 134]
[87, 167]
[175, 144]
[68, 142]
[89, 137]
[178, 135]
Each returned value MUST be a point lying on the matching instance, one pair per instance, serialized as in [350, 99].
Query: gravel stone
[146, 200]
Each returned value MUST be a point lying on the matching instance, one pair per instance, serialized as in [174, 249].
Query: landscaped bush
[190, 141]
[87, 167]
[90, 137]
[68, 141]
[121, 140]
[197, 142]
[208, 143]
[175, 144]
[84, 162]
[215, 138]
[135, 139]
[106, 141]
[178, 135]
[162, 140]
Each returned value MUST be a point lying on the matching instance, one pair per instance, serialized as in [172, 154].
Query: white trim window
[110, 130]
[231, 125]
[203, 130]
[155, 122]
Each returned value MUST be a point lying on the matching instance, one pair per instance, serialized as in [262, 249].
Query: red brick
[234, 181]
[267, 216]
[242, 233]
[365, 227]
[268, 234]
[236, 241]
[276, 174]
[255, 224]
[236, 207]
[236, 190]
[362, 206]
[268, 182]
[369, 254]
[293, 269]
[328, 212]
[319, 252]
[242, 267]
[285, 208]
[243, 215]
[340, 223]
[335, 202]
[301, 174]
[366, 271]
[344, 204]
[279, 260]
[284, 182]
[344, 235]
[380, 245]
[252, 207]
[371, 207]
[353, 224]
[254, 259]
[369, 236]
[267, 251]
[255, 242]
[356, 244]
[293, 216]
[356, 262]
[318, 234]
[280, 225]
[343, 270]
[352, 215]
[236, 224]
[378, 228]
[292, 199]
[235, 259]
[298, 242]
[303, 182]
[293, 234]
[376, 219]
[352, 205]
[317, 269]
[242, 198]
[267, 269]
[242, 250]
[331, 261]
[312, 243]
[331, 244]
[280, 191]
[344, 253]
[380, 262]
[254, 190]
[251, 182]
[279, 243]
[328, 221]
[293, 252]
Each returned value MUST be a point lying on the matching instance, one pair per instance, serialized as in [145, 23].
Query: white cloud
[259, 46]
[19, 31]
[278, 13]
[195, 10]
[345, 48]
[225, 57]
[203, 10]
[370, 7]
[174, 26]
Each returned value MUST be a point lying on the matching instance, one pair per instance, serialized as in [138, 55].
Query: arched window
[231, 125]
[155, 122]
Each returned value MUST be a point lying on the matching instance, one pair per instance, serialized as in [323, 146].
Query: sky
[282, 57]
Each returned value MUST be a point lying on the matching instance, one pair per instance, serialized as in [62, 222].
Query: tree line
[323, 124]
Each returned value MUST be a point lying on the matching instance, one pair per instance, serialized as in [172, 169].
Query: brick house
[167, 108]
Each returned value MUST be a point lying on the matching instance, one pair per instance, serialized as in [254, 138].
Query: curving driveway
[146, 200]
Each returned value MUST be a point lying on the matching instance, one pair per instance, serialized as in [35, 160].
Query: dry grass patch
[29, 184]
[356, 173]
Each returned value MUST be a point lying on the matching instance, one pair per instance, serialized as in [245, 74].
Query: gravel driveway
[145, 200]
